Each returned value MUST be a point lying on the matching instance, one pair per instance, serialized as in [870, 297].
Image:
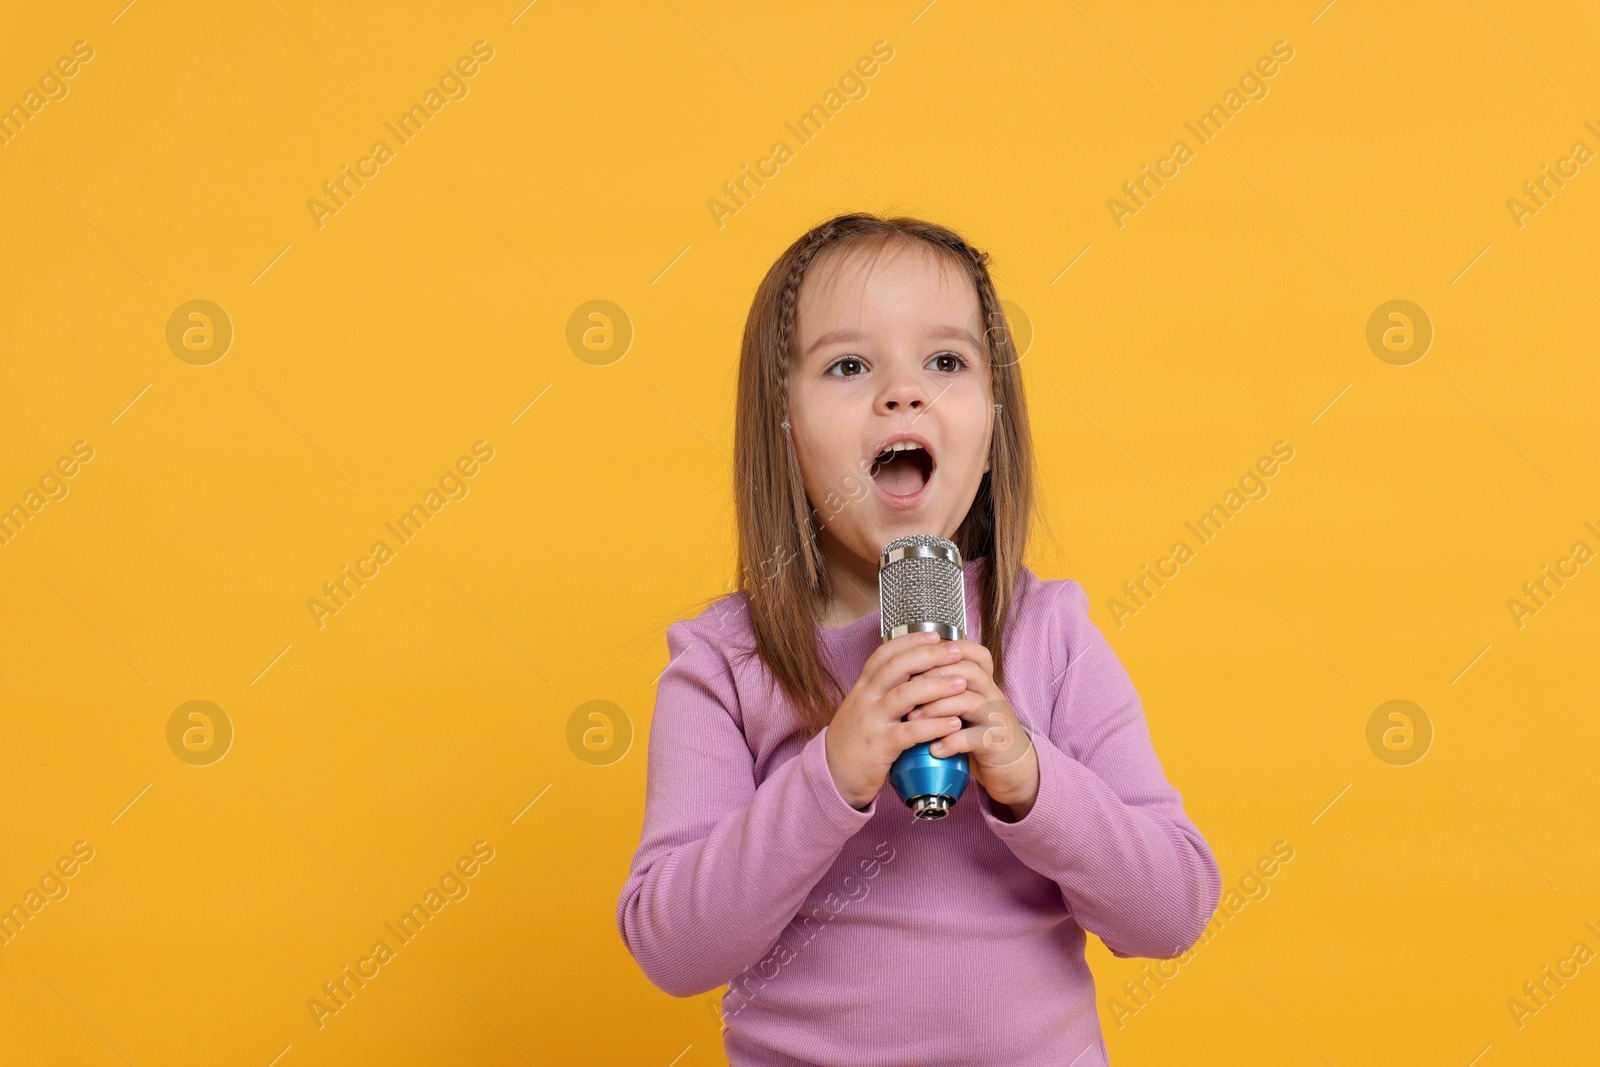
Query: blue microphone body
[918, 773]
[921, 587]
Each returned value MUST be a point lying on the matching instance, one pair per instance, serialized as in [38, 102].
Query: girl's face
[882, 353]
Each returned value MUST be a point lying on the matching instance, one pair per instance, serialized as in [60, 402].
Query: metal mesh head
[921, 587]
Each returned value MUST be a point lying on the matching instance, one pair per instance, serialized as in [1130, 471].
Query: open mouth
[903, 469]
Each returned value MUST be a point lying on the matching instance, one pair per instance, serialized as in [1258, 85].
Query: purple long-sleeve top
[870, 937]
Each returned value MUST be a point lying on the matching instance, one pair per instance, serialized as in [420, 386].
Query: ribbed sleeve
[721, 865]
[1107, 827]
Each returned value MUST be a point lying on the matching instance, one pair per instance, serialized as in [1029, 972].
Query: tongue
[900, 476]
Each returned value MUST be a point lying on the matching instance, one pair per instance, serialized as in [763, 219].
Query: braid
[815, 242]
[816, 573]
[996, 331]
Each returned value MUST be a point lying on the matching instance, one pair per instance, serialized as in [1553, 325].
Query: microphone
[921, 588]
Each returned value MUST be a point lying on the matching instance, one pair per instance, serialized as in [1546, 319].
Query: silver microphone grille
[921, 587]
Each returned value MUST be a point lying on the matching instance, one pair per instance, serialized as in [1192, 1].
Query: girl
[879, 396]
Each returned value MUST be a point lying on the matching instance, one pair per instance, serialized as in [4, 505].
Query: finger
[977, 680]
[905, 734]
[976, 652]
[999, 724]
[911, 660]
[1001, 732]
[960, 741]
[973, 702]
[1012, 752]
[998, 745]
[964, 705]
[920, 689]
[892, 648]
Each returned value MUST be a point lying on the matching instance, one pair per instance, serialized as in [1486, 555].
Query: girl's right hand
[867, 735]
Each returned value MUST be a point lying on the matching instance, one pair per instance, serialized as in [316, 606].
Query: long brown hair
[776, 524]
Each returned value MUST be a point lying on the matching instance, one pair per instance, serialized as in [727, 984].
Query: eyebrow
[937, 333]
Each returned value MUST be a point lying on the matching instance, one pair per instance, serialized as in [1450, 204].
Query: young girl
[879, 396]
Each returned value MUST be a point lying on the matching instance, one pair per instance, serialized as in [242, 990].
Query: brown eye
[842, 362]
[959, 361]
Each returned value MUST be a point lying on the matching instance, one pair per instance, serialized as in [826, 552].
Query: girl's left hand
[1001, 755]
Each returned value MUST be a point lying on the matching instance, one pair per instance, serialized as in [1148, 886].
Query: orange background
[373, 748]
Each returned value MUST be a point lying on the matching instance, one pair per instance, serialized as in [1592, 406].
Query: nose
[903, 391]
